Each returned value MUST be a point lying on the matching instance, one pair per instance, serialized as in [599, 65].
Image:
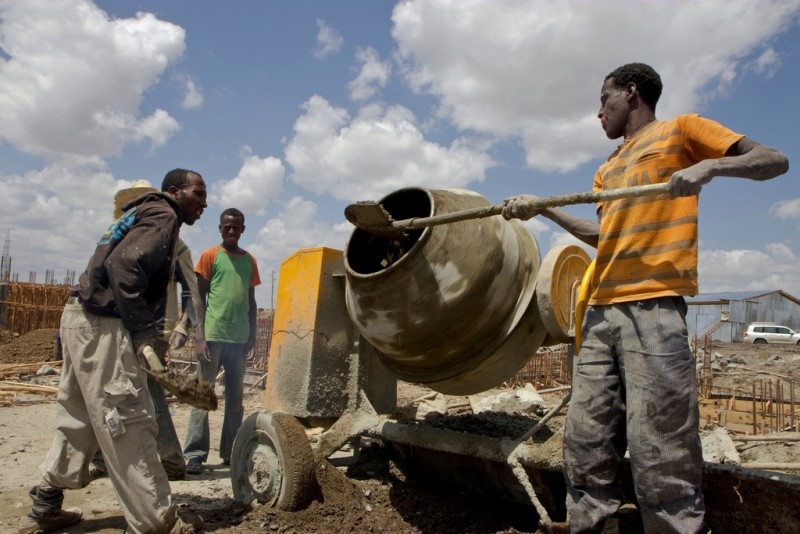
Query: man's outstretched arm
[583, 229]
[745, 159]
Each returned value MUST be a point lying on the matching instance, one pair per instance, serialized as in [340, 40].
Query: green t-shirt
[230, 278]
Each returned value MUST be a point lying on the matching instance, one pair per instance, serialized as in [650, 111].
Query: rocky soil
[374, 495]
[737, 365]
[34, 346]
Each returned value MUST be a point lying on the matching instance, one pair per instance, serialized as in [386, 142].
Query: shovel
[372, 218]
[190, 390]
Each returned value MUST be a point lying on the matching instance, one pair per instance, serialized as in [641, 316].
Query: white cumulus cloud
[259, 180]
[529, 69]
[296, 226]
[329, 41]
[158, 128]
[745, 270]
[372, 74]
[62, 208]
[786, 209]
[379, 150]
[74, 87]
[193, 96]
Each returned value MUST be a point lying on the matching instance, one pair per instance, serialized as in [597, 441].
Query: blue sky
[293, 109]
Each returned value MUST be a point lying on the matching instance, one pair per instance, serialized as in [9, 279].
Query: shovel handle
[152, 359]
[537, 203]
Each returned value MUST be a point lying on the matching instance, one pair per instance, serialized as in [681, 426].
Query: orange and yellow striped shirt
[648, 245]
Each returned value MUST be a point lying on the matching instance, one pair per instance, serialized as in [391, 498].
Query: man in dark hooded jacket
[103, 400]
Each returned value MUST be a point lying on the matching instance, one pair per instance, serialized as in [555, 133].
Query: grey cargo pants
[635, 388]
[167, 442]
[103, 403]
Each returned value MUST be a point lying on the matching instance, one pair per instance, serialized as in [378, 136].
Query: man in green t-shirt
[226, 277]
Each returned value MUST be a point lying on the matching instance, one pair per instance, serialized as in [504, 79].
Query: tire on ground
[272, 462]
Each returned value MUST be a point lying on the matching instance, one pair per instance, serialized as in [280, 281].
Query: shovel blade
[190, 390]
[372, 218]
[367, 213]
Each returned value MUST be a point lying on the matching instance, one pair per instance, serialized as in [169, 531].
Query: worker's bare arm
[584, 229]
[745, 159]
[200, 346]
[519, 207]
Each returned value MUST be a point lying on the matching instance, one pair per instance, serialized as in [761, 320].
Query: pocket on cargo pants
[126, 404]
[132, 459]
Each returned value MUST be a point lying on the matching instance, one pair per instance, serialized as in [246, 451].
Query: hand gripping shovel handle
[152, 359]
[189, 390]
[537, 203]
[371, 217]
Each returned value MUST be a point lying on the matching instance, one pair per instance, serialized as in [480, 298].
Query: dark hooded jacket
[128, 273]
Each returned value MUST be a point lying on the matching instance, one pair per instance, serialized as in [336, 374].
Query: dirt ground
[34, 346]
[372, 496]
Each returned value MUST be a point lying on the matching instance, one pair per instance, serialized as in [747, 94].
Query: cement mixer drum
[449, 306]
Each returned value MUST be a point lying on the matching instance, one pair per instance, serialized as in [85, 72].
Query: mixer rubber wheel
[272, 462]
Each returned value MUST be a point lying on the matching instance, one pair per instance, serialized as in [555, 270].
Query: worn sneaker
[194, 466]
[55, 521]
[181, 475]
[97, 472]
[188, 523]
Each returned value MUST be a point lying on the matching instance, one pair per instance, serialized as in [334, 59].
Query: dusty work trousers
[167, 442]
[103, 403]
[232, 358]
[635, 387]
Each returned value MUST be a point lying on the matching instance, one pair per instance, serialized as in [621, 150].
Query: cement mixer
[458, 307]
[455, 306]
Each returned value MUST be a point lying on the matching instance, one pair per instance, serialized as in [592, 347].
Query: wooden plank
[28, 388]
[777, 436]
[739, 429]
[779, 466]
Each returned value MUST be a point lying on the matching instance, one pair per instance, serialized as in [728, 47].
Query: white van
[770, 333]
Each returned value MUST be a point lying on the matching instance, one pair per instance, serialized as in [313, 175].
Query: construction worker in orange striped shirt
[634, 387]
